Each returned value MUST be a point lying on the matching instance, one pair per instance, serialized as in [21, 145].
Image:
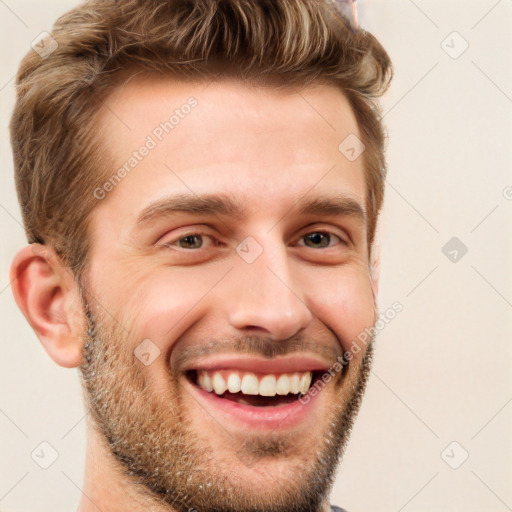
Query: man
[200, 183]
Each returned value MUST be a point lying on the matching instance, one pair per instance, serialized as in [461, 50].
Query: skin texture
[150, 442]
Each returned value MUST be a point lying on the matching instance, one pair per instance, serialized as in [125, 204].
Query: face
[228, 274]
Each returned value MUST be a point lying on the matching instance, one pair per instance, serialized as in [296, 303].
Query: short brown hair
[58, 161]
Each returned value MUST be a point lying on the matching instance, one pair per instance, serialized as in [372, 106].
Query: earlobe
[48, 296]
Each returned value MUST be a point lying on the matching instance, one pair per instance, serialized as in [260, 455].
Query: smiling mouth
[255, 389]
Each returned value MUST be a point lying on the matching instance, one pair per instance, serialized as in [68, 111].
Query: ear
[48, 296]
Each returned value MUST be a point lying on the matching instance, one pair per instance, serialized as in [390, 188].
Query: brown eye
[190, 242]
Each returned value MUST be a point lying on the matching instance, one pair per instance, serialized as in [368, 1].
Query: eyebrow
[341, 206]
[226, 205]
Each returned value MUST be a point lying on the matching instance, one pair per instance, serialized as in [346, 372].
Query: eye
[190, 241]
[320, 239]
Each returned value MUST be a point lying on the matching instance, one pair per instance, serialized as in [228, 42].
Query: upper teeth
[252, 384]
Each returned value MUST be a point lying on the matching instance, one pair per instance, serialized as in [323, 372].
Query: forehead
[260, 143]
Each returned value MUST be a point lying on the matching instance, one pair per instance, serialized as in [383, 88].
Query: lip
[276, 418]
[288, 364]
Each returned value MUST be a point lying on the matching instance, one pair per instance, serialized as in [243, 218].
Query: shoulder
[337, 509]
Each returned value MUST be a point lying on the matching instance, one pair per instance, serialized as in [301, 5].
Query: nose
[265, 298]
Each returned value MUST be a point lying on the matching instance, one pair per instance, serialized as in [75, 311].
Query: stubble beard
[154, 445]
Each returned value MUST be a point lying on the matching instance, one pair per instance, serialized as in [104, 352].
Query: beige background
[443, 365]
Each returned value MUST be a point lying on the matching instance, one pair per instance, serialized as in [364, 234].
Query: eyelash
[174, 242]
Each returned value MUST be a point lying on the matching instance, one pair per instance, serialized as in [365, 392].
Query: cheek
[161, 306]
[157, 310]
[343, 300]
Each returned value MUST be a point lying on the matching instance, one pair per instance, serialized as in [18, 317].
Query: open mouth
[254, 389]
[251, 393]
